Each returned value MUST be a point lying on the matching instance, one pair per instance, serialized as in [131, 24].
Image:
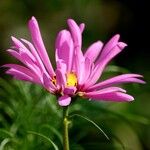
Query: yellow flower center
[71, 79]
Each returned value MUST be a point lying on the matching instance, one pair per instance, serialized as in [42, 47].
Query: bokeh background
[25, 107]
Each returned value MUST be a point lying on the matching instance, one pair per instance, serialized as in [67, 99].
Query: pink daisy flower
[76, 73]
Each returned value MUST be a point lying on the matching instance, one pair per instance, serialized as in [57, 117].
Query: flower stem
[65, 128]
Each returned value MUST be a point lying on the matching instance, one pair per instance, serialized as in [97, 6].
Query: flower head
[76, 73]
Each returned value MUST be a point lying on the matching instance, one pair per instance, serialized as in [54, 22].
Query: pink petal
[78, 55]
[38, 42]
[30, 64]
[25, 56]
[14, 54]
[82, 26]
[75, 32]
[19, 45]
[19, 75]
[70, 90]
[107, 90]
[109, 45]
[25, 59]
[93, 51]
[18, 55]
[111, 54]
[86, 71]
[114, 96]
[79, 66]
[100, 65]
[22, 70]
[61, 66]
[64, 100]
[64, 48]
[125, 78]
[36, 55]
[48, 84]
[60, 79]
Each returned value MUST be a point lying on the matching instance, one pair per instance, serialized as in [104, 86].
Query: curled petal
[111, 54]
[109, 45]
[36, 55]
[70, 90]
[75, 32]
[39, 45]
[100, 64]
[64, 100]
[21, 47]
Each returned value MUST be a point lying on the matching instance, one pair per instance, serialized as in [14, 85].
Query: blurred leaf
[92, 122]
[128, 116]
[46, 138]
[3, 143]
[56, 132]
[5, 134]
[76, 147]
[113, 68]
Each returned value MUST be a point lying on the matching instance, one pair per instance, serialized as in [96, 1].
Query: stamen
[81, 93]
[71, 79]
[54, 80]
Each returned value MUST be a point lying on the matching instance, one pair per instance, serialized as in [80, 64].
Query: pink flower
[76, 73]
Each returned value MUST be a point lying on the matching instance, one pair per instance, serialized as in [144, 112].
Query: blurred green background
[25, 107]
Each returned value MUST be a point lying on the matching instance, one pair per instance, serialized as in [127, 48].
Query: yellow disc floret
[71, 79]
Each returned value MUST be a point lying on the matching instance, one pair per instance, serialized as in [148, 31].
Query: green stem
[65, 128]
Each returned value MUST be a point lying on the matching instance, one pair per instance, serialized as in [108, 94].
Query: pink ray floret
[76, 73]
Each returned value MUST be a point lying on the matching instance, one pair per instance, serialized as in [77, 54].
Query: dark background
[102, 18]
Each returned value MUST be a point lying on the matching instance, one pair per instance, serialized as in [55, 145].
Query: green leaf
[92, 122]
[137, 118]
[45, 137]
[5, 133]
[3, 143]
[127, 116]
[113, 68]
[52, 129]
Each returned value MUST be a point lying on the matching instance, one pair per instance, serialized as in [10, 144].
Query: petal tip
[143, 82]
[13, 38]
[33, 18]
[122, 45]
[130, 98]
[32, 21]
[70, 20]
[116, 37]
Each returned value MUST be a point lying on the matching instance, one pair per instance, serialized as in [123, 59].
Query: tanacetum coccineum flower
[76, 72]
